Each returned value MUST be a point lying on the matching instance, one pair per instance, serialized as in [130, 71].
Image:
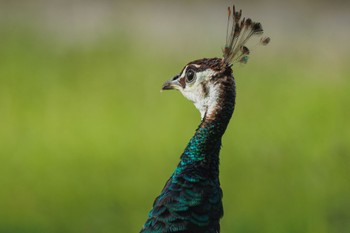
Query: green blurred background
[87, 140]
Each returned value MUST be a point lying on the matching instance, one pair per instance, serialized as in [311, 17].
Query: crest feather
[241, 31]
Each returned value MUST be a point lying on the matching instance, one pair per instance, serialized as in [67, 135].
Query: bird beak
[171, 84]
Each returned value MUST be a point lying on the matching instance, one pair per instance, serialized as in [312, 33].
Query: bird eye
[190, 76]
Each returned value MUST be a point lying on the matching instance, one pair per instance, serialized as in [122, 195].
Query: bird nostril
[175, 77]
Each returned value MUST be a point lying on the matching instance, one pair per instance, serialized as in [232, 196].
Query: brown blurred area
[321, 26]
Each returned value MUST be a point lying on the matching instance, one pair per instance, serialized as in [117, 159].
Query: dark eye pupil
[190, 75]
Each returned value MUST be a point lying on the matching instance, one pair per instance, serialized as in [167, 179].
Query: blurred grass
[87, 141]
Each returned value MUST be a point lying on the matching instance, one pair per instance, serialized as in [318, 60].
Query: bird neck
[203, 149]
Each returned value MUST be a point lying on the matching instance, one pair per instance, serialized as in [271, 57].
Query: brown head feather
[241, 31]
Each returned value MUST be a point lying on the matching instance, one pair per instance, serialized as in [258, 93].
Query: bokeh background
[87, 140]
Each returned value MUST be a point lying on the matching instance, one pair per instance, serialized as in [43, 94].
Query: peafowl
[191, 200]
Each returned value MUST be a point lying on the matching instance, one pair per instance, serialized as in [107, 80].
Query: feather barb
[239, 31]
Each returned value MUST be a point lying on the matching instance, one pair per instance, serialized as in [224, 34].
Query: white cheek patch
[205, 74]
[195, 93]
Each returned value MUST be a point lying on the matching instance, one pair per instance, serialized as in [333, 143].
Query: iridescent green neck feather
[203, 148]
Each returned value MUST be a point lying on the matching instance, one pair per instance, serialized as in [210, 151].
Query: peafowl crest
[191, 200]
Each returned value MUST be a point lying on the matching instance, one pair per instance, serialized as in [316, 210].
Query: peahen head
[206, 80]
[199, 81]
